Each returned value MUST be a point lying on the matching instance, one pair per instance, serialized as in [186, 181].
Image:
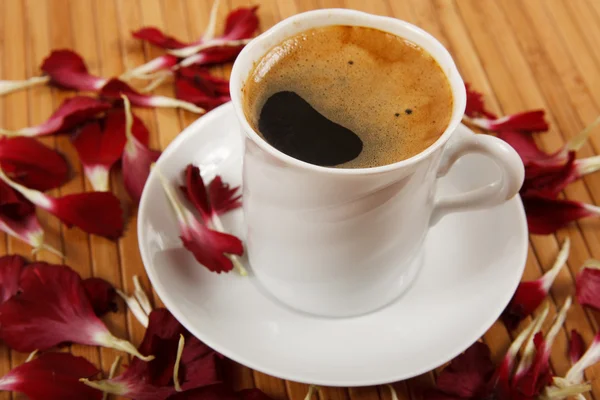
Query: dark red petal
[475, 106]
[546, 216]
[528, 296]
[468, 374]
[549, 180]
[216, 55]
[70, 113]
[241, 23]
[201, 78]
[101, 294]
[223, 198]
[538, 376]
[52, 308]
[156, 37]
[154, 380]
[11, 268]
[67, 69]
[97, 213]
[52, 376]
[136, 168]
[209, 247]
[576, 347]
[114, 88]
[528, 121]
[438, 395]
[529, 152]
[32, 164]
[98, 148]
[196, 192]
[185, 91]
[588, 287]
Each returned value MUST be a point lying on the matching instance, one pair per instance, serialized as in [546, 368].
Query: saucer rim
[162, 292]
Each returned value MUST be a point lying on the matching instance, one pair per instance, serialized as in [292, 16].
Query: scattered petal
[146, 71]
[115, 89]
[101, 146]
[156, 37]
[111, 374]
[545, 216]
[10, 274]
[209, 247]
[68, 70]
[135, 308]
[154, 380]
[217, 55]
[468, 374]
[101, 295]
[52, 376]
[141, 295]
[529, 295]
[475, 105]
[589, 358]
[32, 164]
[239, 27]
[52, 308]
[136, 159]
[576, 346]
[7, 87]
[95, 212]
[587, 285]
[538, 375]
[18, 219]
[70, 113]
[177, 362]
[528, 121]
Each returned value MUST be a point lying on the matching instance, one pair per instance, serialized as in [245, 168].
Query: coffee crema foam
[387, 90]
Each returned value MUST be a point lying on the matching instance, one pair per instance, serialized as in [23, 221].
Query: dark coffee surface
[350, 97]
[294, 127]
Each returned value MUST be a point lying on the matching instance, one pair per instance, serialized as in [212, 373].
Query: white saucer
[473, 263]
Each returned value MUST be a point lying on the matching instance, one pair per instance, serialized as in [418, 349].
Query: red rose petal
[53, 308]
[9, 86]
[70, 113]
[10, 274]
[196, 192]
[528, 121]
[468, 374]
[32, 164]
[589, 358]
[576, 346]
[115, 89]
[52, 376]
[529, 295]
[529, 152]
[475, 105]
[67, 69]
[545, 216]
[101, 295]
[156, 37]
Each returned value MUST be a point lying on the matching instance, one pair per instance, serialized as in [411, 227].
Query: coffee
[350, 97]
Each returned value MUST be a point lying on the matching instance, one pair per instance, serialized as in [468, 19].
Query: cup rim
[250, 54]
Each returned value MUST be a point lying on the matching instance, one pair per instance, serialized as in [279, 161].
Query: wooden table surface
[522, 54]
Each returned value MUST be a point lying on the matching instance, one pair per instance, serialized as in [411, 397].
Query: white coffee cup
[343, 242]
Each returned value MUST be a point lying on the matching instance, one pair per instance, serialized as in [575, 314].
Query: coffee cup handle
[498, 192]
